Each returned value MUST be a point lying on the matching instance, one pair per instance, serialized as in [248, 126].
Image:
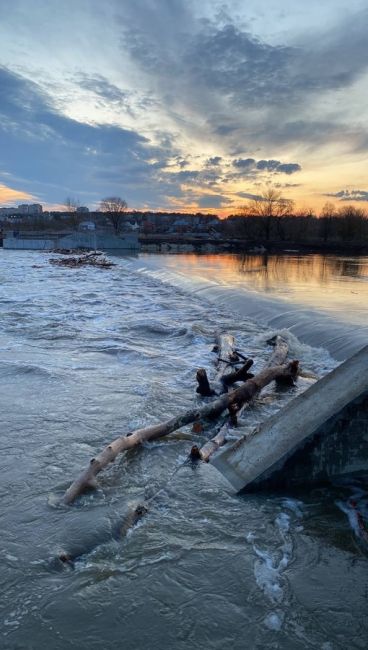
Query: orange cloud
[8, 195]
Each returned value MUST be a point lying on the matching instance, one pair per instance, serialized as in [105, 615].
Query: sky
[183, 105]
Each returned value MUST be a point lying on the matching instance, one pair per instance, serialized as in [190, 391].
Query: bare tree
[71, 204]
[327, 217]
[114, 207]
[272, 207]
[351, 223]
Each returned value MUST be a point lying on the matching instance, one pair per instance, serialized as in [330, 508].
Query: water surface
[322, 299]
[86, 355]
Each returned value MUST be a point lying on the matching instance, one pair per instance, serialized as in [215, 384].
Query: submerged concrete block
[320, 435]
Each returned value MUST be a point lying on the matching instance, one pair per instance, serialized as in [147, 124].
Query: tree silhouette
[71, 204]
[114, 207]
[272, 207]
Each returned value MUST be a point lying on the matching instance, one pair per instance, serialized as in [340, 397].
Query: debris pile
[88, 259]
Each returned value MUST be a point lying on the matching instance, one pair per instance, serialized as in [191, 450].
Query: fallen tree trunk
[226, 354]
[225, 348]
[228, 357]
[278, 357]
[238, 375]
[246, 392]
[280, 351]
[205, 452]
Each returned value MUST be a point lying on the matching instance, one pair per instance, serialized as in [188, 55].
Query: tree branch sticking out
[87, 480]
[278, 357]
[225, 376]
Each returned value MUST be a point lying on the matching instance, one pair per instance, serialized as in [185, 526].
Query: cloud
[10, 195]
[101, 86]
[214, 161]
[213, 201]
[241, 88]
[200, 91]
[350, 195]
[57, 156]
[287, 185]
[288, 168]
[250, 164]
[248, 195]
[268, 165]
[244, 163]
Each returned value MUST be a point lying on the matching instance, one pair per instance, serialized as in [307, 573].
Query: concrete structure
[30, 243]
[319, 436]
[101, 241]
[88, 239]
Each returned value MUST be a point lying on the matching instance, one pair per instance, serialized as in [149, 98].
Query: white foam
[274, 621]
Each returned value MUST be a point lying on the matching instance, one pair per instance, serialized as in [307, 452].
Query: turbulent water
[322, 299]
[89, 354]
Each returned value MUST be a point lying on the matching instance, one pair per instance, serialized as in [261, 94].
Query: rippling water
[322, 299]
[86, 355]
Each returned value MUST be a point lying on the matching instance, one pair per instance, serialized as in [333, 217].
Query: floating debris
[89, 259]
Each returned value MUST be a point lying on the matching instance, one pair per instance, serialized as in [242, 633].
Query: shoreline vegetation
[269, 230]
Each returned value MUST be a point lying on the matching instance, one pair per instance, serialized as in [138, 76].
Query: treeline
[347, 224]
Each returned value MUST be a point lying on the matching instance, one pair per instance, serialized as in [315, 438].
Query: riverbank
[187, 243]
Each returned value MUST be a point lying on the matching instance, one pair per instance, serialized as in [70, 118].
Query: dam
[320, 436]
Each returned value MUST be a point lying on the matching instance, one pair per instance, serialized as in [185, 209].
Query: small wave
[16, 368]
[157, 328]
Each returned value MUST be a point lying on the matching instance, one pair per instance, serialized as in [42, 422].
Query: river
[87, 354]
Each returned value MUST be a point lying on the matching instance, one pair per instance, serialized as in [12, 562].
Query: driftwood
[280, 351]
[246, 392]
[231, 400]
[203, 387]
[205, 452]
[225, 348]
[228, 357]
[90, 259]
[76, 251]
[88, 478]
[239, 375]
[119, 531]
[278, 357]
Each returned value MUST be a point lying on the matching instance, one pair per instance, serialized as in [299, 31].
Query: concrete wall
[19, 243]
[98, 240]
[319, 436]
[91, 239]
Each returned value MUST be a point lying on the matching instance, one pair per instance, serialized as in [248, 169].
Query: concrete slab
[320, 435]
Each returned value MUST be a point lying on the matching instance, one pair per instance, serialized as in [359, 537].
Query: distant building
[134, 227]
[87, 225]
[30, 208]
[82, 209]
[181, 225]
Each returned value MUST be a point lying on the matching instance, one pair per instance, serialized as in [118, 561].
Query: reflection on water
[333, 283]
[288, 269]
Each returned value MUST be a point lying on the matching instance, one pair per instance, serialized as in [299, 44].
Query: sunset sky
[183, 105]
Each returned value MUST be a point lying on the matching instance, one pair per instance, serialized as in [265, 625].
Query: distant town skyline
[183, 106]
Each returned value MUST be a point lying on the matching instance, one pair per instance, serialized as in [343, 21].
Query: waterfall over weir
[342, 332]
